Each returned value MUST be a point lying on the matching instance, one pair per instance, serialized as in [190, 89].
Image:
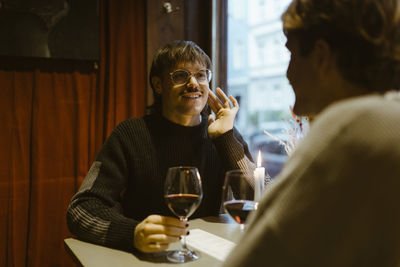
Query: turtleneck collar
[164, 125]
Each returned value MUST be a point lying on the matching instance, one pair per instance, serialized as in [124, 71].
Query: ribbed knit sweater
[336, 202]
[125, 183]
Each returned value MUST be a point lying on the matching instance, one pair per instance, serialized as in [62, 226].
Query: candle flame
[259, 159]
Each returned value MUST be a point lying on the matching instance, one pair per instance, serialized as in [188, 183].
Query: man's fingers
[157, 224]
[212, 105]
[214, 102]
[227, 104]
[225, 99]
[151, 229]
[154, 247]
[165, 220]
[155, 232]
[234, 102]
[222, 95]
[211, 119]
[162, 239]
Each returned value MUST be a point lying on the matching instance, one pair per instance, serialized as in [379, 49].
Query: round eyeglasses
[180, 76]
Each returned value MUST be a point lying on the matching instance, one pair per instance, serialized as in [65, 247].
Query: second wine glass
[238, 196]
[183, 193]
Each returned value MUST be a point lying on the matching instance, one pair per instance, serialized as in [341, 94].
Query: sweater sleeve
[95, 213]
[234, 151]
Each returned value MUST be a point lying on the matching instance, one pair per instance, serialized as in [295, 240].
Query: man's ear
[324, 57]
[156, 82]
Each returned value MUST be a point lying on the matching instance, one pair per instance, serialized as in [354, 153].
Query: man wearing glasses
[120, 203]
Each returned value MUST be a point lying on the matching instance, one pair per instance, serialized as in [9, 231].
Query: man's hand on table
[156, 232]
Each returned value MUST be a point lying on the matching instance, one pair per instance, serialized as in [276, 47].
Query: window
[239, 55]
[262, 87]
[261, 51]
[261, 9]
[237, 10]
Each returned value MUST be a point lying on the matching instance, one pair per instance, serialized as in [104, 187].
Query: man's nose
[192, 82]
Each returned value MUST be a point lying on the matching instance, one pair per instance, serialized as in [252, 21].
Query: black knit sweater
[125, 183]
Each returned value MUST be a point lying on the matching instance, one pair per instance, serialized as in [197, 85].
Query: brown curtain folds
[127, 31]
[15, 122]
[54, 117]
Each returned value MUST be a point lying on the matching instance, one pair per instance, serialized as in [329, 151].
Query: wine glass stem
[183, 240]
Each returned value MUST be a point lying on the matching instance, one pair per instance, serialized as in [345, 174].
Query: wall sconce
[168, 7]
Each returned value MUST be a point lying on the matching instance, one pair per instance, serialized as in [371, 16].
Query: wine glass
[238, 196]
[183, 193]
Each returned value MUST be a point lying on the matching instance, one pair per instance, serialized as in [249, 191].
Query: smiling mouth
[192, 95]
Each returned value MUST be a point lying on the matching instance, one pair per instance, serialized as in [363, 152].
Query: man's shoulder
[132, 123]
[372, 120]
[131, 127]
[365, 109]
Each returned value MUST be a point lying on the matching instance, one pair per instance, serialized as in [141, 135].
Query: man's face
[303, 77]
[186, 99]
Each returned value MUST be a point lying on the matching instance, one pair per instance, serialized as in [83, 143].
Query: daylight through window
[257, 64]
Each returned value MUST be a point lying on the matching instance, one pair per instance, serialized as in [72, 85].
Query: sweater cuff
[121, 234]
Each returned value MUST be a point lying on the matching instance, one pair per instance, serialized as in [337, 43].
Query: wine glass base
[182, 256]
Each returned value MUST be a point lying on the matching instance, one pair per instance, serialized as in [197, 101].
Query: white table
[87, 254]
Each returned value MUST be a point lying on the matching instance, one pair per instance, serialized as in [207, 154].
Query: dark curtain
[54, 117]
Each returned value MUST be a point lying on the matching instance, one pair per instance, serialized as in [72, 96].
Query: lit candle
[259, 174]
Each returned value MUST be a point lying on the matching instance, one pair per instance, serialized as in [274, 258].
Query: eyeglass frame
[190, 74]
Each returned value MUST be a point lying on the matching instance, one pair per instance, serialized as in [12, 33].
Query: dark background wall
[77, 34]
[66, 29]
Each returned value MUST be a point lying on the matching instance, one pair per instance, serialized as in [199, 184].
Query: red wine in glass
[183, 193]
[240, 209]
[183, 205]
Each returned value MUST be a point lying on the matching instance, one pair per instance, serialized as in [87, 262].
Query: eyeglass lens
[182, 76]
